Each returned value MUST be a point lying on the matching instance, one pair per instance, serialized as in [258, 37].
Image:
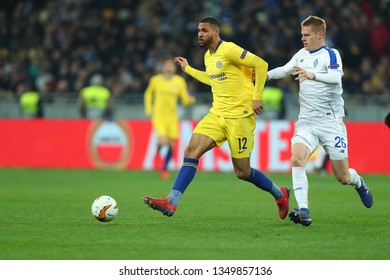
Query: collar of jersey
[318, 49]
[219, 43]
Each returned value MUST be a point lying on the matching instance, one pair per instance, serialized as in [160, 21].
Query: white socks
[300, 186]
[355, 179]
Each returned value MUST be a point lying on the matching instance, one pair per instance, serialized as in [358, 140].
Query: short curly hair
[211, 21]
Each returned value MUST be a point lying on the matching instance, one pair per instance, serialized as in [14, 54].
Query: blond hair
[317, 24]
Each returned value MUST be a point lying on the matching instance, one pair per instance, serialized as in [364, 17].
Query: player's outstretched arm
[301, 74]
[283, 71]
[199, 75]
[182, 62]
[332, 77]
[277, 73]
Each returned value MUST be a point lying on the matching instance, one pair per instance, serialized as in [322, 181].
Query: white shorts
[331, 133]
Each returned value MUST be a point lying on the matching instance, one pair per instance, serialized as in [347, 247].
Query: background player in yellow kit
[232, 116]
[161, 99]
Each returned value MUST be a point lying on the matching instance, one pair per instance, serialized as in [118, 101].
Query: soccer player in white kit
[318, 69]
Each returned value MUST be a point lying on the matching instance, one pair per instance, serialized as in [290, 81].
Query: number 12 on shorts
[242, 143]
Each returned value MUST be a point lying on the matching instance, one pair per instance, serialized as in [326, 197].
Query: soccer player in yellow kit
[236, 100]
[161, 98]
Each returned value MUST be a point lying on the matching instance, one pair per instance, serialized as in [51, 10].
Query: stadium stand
[58, 45]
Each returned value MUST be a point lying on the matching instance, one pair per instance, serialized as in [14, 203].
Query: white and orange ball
[105, 208]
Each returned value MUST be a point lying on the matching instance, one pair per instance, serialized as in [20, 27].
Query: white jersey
[318, 98]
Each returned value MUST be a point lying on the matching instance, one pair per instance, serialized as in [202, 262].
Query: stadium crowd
[57, 45]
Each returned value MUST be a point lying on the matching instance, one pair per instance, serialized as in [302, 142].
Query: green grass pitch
[46, 214]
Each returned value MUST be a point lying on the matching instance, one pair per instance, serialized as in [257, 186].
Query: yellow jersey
[29, 103]
[229, 73]
[161, 96]
[96, 96]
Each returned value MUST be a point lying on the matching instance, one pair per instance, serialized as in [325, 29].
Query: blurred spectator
[273, 103]
[31, 104]
[95, 100]
[379, 38]
[59, 44]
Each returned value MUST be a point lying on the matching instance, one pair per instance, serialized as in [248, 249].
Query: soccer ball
[104, 208]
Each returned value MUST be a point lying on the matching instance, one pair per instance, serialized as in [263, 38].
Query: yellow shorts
[238, 132]
[166, 127]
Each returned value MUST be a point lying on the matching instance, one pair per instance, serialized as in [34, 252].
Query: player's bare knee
[297, 161]
[242, 174]
[193, 152]
[189, 152]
